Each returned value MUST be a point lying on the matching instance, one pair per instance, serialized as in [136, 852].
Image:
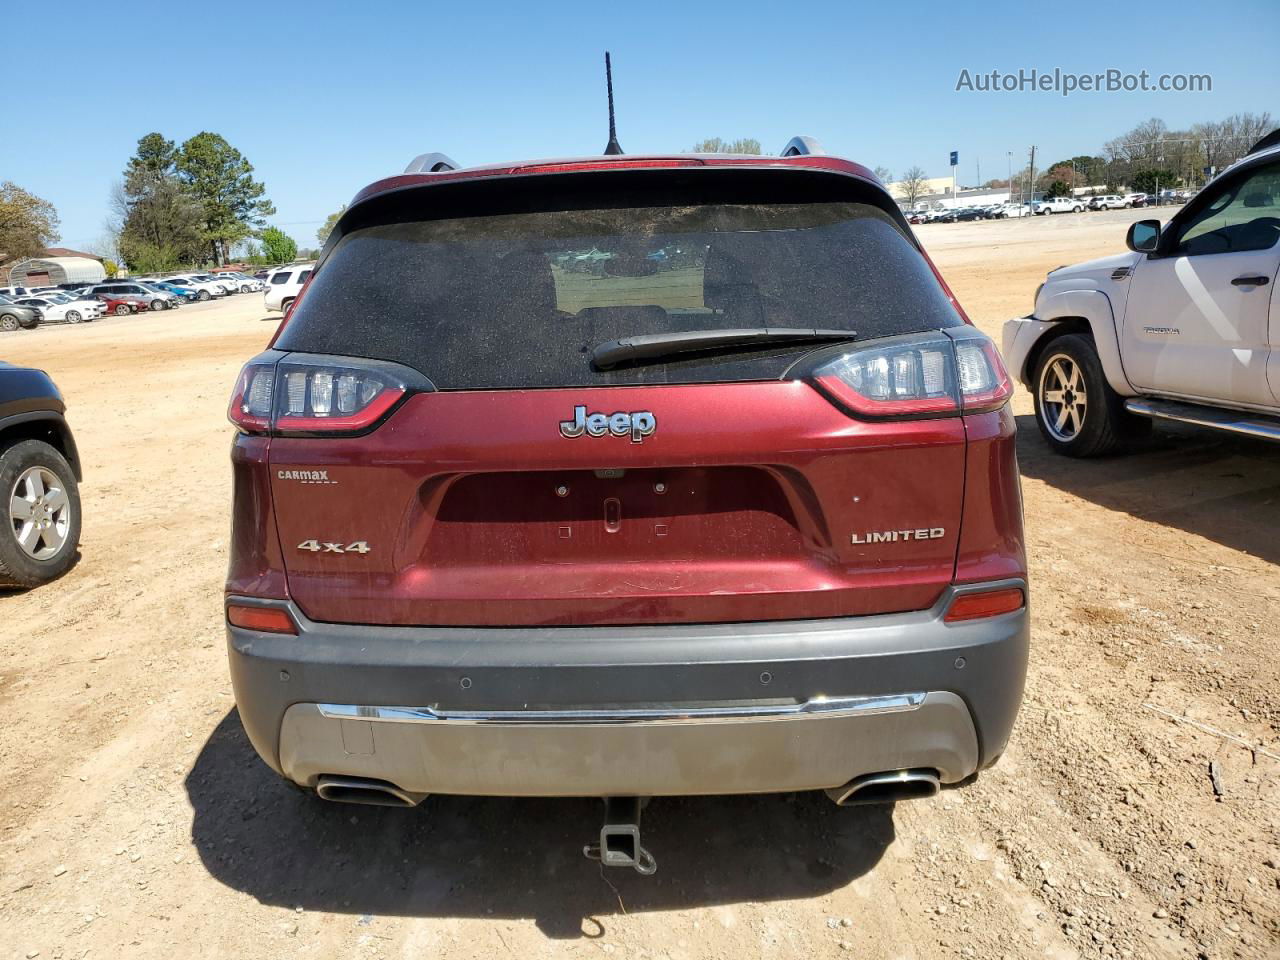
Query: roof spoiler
[439, 162]
[430, 163]
[801, 147]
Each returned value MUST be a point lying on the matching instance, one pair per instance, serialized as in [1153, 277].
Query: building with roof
[53, 269]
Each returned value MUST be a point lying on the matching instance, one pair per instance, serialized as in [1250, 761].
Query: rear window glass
[280, 278]
[519, 300]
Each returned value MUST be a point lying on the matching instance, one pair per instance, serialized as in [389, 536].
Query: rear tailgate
[743, 504]
[761, 491]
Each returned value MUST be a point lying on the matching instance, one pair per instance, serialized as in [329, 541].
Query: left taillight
[291, 398]
[250, 408]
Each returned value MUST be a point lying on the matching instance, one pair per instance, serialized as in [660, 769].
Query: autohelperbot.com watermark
[1065, 82]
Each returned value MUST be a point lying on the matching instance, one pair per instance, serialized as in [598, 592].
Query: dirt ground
[136, 821]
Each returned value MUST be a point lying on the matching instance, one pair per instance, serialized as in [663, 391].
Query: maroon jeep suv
[626, 476]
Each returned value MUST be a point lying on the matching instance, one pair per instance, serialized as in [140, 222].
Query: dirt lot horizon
[136, 820]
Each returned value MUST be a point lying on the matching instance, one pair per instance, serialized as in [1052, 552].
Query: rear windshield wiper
[654, 346]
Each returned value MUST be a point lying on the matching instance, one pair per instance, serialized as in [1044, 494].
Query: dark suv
[622, 477]
[39, 471]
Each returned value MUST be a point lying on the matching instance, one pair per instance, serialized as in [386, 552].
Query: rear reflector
[264, 619]
[989, 603]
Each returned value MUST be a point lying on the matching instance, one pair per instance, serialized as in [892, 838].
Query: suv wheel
[8, 322]
[203, 295]
[41, 511]
[159, 305]
[73, 316]
[1078, 413]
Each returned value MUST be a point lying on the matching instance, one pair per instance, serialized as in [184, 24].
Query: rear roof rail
[431, 163]
[801, 146]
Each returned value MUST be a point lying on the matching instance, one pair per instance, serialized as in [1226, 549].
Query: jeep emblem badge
[637, 425]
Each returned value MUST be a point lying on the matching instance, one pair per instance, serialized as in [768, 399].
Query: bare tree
[912, 186]
[1223, 142]
[107, 245]
[883, 174]
[716, 145]
[1140, 148]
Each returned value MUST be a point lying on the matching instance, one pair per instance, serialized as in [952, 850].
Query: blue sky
[323, 98]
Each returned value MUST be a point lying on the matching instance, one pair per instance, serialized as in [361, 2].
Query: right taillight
[984, 382]
[916, 377]
[311, 398]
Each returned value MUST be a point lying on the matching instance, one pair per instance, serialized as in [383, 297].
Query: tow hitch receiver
[619, 844]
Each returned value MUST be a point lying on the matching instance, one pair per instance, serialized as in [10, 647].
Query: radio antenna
[612, 148]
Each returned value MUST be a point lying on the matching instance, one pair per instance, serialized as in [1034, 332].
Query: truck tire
[40, 507]
[1078, 413]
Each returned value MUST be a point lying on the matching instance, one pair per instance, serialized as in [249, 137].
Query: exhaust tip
[888, 787]
[377, 793]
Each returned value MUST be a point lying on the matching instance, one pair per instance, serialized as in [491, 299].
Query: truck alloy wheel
[1064, 402]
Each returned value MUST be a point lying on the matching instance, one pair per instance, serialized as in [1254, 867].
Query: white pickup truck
[1186, 326]
[1057, 205]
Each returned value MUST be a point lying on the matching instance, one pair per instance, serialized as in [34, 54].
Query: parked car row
[990, 211]
[206, 286]
[22, 308]
[1045, 207]
[50, 306]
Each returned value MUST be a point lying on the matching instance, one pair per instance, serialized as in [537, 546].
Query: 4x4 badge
[638, 424]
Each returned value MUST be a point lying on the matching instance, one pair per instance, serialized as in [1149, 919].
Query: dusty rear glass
[519, 300]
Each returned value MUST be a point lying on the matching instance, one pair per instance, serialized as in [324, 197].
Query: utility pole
[1031, 175]
[1159, 159]
[1008, 154]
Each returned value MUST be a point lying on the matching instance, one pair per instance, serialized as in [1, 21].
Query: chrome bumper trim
[670, 713]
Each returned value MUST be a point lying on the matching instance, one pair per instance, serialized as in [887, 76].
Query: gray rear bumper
[647, 710]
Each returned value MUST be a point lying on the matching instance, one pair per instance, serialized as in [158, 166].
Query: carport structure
[46, 271]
